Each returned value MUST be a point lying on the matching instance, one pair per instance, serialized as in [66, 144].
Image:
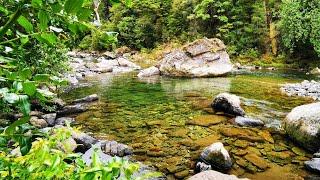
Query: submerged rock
[213, 175]
[201, 58]
[313, 165]
[151, 71]
[87, 99]
[228, 103]
[244, 121]
[115, 148]
[207, 120]
[72, 109]
[216, 156]
[302, 125]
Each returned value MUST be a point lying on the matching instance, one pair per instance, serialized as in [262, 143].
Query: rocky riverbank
[304, 89]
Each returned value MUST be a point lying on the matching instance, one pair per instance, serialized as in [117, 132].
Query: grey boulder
[201, 58]
[228, 103]
[151, 71]
[216, 156]
[302, 125]
[313, 165]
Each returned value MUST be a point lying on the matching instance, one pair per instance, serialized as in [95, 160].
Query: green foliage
[300, 24]
[147, 23]
[48, 160]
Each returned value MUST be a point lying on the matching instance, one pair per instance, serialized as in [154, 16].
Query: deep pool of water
[162, 119]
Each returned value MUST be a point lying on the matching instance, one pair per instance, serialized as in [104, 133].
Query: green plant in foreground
[49, 159]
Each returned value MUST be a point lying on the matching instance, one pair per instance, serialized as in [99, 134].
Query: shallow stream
[168, 121]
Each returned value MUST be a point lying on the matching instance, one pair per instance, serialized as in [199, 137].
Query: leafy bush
[47, 160]
[300, 24]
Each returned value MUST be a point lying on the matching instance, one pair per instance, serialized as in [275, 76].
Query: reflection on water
[153, 116]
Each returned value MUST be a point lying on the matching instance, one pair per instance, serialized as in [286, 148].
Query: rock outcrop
[201, 58]
[228, 103]
[302, 125]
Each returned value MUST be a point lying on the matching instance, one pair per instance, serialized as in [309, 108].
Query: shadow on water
[168, 121]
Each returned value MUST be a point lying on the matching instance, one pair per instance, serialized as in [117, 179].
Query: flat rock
[87, 99]
[72, 109]
[207, 120]
[257, 161]
[302, 124]
[243, 134]
[228, 103]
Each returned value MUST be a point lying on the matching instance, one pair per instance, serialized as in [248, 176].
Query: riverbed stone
[313, 165]
[213, 175]
[302, 124]
[115, 148]
[50, 118]
[228, 103]
[216, 156]
[245, 121]
[240, 133]
[257, 161]
[201, 58]
[39, 123]
[88, 155]
[283, 157]
[72, 109]
[87, 99]
[64, 121]
[83, 140]
[207, 120]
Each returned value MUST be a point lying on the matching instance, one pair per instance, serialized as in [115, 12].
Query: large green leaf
[29, 88]
[24, 104]
[48, 38]
[25, 144]
[25, 23]
[84, 14]
[4, 10]
[73, 6]
[44, 19]
[36, 3]
[25, 74]
[11, 129]
[42, 77]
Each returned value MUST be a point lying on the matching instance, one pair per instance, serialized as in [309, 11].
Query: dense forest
[68, 66]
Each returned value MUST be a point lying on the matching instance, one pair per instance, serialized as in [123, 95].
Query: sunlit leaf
[25, 23]
[29, 88]
[36, 3]
[73, 6]
[44, 19]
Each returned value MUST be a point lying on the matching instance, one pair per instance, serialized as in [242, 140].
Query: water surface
[158, 117]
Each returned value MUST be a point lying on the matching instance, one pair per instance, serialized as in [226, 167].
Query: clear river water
[168, 121]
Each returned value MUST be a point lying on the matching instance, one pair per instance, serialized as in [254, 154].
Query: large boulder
[302, 125]
[213, 175]
[151, 71]
[313, 165]
[216, 156]
[228, 103]
[201, 58]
